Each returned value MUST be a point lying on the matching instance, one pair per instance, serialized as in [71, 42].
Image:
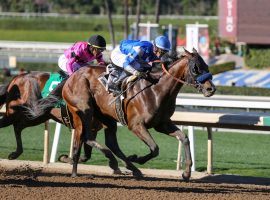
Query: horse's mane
[168, 60]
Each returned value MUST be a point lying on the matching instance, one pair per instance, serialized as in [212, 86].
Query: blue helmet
[163, 43]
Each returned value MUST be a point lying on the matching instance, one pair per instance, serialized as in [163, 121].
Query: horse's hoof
[65, 159]
[132, 158]
[13, 155]
[186, 176]
[137, 173]
[83, 159]
[117, 172]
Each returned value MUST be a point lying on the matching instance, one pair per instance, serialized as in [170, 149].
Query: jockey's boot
[63, 74]
[57, 91]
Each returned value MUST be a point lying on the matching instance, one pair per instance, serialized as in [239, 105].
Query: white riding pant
[118, 58]
[62, 63]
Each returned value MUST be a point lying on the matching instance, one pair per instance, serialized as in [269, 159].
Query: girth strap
[65, 114]
[119, 111]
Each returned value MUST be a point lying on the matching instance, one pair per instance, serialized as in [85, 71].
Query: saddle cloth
[52, 82]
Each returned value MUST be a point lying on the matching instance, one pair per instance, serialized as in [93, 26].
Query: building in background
[245, 21]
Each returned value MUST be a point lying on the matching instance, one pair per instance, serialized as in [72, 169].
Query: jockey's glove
[140, 74]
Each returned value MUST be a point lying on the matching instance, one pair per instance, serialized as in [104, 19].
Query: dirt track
[28, 182]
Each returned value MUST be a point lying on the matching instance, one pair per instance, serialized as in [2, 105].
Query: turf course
[234, 153]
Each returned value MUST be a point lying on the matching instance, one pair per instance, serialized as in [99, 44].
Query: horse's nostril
[211, 89]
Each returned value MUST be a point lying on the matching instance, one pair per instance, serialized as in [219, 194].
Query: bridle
[197, 80]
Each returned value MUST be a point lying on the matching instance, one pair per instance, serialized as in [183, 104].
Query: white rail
[224, 101]
[31, 45]
[225, 118]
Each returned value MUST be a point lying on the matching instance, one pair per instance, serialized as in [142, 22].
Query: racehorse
[25, 89]
[147, 104]
[21, 90]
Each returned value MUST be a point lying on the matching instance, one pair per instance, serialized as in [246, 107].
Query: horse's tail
[3, 94]
[43, 106]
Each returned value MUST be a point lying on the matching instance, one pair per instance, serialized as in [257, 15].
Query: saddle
[103, 79]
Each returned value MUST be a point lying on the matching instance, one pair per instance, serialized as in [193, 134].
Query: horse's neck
[169, 85]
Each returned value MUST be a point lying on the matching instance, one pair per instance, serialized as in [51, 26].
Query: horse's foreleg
[19, 149]
[145, 136]
[112, 143]
[172, 130]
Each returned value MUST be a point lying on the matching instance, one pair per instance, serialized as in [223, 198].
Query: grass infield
[234, 153]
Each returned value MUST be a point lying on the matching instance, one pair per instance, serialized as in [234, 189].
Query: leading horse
[146, 105]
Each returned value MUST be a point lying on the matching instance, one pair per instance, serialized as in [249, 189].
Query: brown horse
[22, 91]
[146, 105]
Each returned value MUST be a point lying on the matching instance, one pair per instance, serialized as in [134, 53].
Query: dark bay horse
[21, 90]
[146, 105]
[25, 90]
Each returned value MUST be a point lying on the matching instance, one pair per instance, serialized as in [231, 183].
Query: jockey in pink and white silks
[81, 53]
[133, 57]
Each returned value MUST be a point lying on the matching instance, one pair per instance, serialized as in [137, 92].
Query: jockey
[134, 57]
[81, 53]
[78, 56]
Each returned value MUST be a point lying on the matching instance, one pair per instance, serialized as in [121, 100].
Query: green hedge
[219, 68]
[257, 56]
[49, 67]
[86, 24]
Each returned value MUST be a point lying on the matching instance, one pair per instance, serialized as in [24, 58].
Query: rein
[175, 78]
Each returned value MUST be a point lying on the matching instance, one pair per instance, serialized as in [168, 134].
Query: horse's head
[198, 74]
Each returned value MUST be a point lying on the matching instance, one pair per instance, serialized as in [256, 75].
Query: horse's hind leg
[108, 154]
[88, 136]
[7, 121]
[112, 143]
[76, 154]
[87, 152]
[19, 149]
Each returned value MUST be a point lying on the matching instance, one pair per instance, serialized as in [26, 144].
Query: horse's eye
[195, 70]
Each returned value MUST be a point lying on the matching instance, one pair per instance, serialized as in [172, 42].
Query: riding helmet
[97, 41]
[163, 43]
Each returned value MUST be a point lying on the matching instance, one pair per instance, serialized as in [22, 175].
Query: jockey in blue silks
[134, 57]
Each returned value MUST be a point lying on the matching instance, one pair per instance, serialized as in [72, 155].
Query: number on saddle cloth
[52, 82]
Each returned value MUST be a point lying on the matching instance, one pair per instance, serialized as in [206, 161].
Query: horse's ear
[194, 50]
[186, 51]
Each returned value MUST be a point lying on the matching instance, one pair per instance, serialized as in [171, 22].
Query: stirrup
[103, 82]
[113, 89]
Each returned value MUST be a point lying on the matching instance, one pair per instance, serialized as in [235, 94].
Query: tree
[138, 13]
[108, 4]
[157, 12]
[126, 18]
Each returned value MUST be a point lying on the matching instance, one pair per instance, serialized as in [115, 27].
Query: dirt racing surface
[28, 182]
